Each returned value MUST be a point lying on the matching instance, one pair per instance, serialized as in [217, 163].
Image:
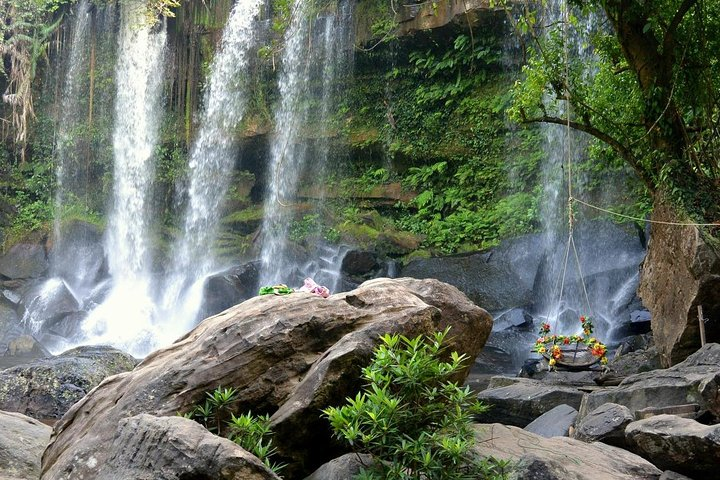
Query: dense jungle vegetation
[455, 115]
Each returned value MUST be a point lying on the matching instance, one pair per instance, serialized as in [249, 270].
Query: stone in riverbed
[559, 458]
[695, 380]
[341, 468]
[278, 352]
[22, 442]
[47, 388]
[605, 424]
[554, 423]
[680, 444]
[525, 400]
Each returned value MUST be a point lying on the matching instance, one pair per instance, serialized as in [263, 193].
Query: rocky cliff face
[680, 272]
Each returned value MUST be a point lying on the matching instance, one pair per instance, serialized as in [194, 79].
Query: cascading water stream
[70, 114]
[308, 61]
[125, 317]
[211, 164]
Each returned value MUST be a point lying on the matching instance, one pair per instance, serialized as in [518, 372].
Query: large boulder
[22, 442]
[276, 350]
[169, 448]
[47, 388]
[523, 400]
[489, 285]
[694, 381]
[559, 458]
[679, 444]
[24, 260]
[681, 271]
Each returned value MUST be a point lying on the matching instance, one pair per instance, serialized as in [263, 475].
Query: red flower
[582, 319]
[566, 341]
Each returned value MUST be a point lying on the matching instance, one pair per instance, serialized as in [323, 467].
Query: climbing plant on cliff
[650, 94]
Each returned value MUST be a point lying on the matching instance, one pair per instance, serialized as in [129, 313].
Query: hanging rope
[569, 168]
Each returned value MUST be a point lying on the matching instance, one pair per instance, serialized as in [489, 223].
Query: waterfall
[212, 160]
[69, 115]
[125, 316]
[310, 67]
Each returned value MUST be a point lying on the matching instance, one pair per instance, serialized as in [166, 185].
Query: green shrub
[411, 417]
[251, 432]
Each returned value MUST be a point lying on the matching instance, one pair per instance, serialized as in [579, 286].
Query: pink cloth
[312, 287]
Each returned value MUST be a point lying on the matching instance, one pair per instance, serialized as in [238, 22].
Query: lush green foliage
[652, 97]
[249, 431]
[411, 416]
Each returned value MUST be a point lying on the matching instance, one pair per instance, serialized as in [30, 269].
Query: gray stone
[559, 458]
[19, 347]
[554, 423]
[47, 388]
[487, 285]
[170, 448]
[605, 424]
[342, 468]
[24, 260]
[278, 351]
[695, 380]
[514, 318]
[78, 255]
[524, 401]
[22, 442]
[678, 444]
[670, 475]
[230, 287]
[47, 302]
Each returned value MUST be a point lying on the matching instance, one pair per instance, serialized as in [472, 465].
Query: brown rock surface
[536, 457]
[265, 347]
[22, 441]
[169, 448]
[680, 272]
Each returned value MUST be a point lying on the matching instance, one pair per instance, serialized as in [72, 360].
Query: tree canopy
[649, 91]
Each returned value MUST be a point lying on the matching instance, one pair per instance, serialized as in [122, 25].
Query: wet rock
[22, 442]
[638, 361]
[680, 272]
[695, 380]
[525, 400]
[47, 388]
[230, 287]
[341, 468]
[66, 326]
[554, 423]
[278, 352]
[522, 255]
[489, 286]
[168, 448]
[78, 254]
[559, 458]
[360, 265]
[605, 424]
[24, 260]
[679, 444]
[46, 302]
[516, 318]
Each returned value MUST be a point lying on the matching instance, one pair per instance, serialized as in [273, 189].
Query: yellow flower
[552, 362]
[542, 350]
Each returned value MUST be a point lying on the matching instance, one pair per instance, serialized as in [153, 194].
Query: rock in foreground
[536, 457]
[170, 448]
[266, 347]
[679, 444]
[22, 442]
